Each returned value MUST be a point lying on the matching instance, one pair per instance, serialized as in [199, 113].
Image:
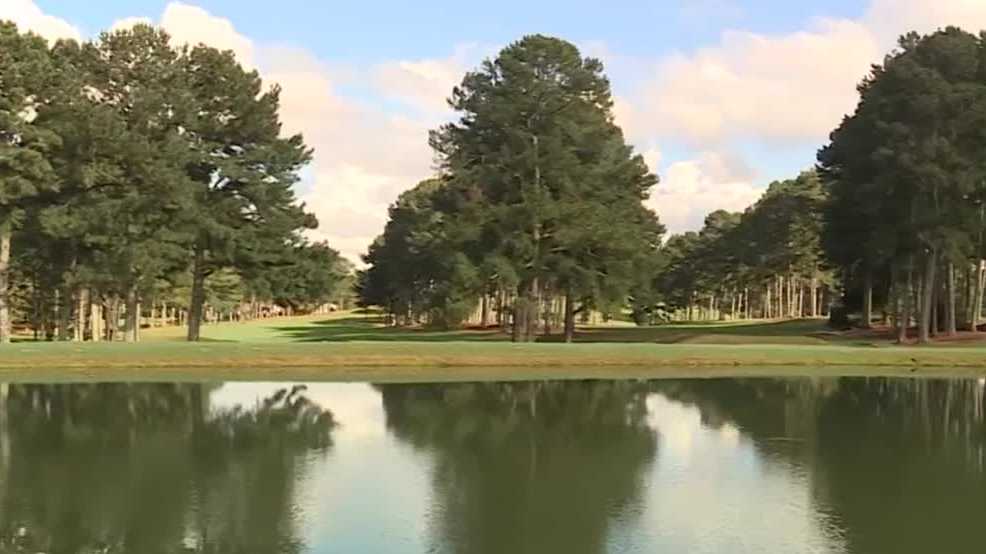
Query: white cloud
[782, 87]
[690, 189]
[425, 84]
[795, 86]
[652, 157]
[28, 16]
[768, 89]
[192, 25]
[364, 157]
[130, 22]
[888, 19]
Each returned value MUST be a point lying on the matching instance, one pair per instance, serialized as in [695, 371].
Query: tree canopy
[905, 179]
[132, 171]
[532, 175]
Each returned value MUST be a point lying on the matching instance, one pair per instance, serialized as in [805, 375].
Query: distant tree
[767, 260]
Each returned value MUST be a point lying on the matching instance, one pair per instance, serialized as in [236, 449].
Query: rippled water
[842, 465]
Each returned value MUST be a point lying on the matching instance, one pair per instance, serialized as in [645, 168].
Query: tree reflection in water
[527, 467]
[893, 466]
[149, 468]
[901, 464]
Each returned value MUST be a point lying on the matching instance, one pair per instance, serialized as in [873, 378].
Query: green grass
[355, 347]
[340, 327]
[350, 326]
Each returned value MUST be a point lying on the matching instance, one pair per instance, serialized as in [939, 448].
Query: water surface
[755, 465]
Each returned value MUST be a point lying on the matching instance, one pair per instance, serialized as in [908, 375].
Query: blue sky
[369, 31]
[721, 96]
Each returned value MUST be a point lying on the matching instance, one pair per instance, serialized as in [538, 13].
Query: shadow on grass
[372, 328]
[806, 331]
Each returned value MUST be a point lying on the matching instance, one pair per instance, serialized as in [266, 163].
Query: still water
[696, 466]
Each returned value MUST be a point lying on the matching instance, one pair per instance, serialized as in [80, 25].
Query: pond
[754, 465]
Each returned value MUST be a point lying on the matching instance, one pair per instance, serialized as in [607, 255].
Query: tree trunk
[903, 301]
[532, 305]
[927, 297]
[484, 318]
[95, 320]
[951, 322]
[79, 325]
[787, 303]
[977, 300]
[5, 325]
[868, 300]
[197, 301]
[813, 308]
[501, 311]
[113, 318]
[569, 317]
[967, 294]
[64, 314]
[778, 297]
[792, 302]
[131, 327]
[546, 315]
[519, 323]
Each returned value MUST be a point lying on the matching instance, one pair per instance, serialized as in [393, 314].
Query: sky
[720, 96]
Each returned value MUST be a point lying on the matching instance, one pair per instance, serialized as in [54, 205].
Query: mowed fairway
[354, 347]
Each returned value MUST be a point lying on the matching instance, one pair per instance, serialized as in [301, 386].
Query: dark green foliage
[25, 169]
[131, 172]
[534, 173]
[905, 178]
[766, 262]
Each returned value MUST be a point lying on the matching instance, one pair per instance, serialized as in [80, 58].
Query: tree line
[535, 215]
[142, 178]
[764, 263]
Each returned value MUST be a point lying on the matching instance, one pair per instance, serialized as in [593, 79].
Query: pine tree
[25, 170]
[245, 212]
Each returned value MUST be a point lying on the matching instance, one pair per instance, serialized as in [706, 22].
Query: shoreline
[462, 361]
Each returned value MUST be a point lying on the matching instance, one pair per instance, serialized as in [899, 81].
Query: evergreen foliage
[139, 180]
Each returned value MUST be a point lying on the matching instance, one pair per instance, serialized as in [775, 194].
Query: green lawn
[340, 327]
[351, 326]
[354, 347]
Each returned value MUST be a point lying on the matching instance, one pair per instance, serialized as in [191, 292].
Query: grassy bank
[353, 347]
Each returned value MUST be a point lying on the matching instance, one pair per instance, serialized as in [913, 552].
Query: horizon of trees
[536, 212]
[137, 178]
[764, 263]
